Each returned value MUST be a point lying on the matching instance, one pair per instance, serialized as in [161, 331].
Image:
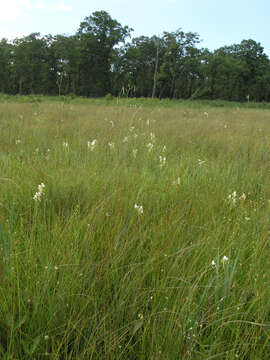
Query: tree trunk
[155, 73]
[20, 85]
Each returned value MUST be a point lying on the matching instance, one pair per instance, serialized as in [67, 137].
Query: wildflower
[18, 141]
[111, 145]
[149, 146]
[213, 263]
[148, 122]
[135, 136]
[46, 337]
[164, 148]
[38, 194]
[247, 218]
[139, 209]
[28, 302]
[125, 139]
[152, 136]
[41, 187]
[112, 123]
[131, 128]
[162, 161]
[92, 144]
[233, 197]
[206, 114]
[134, 151]
[224, 259]
[243, 196]
[65, 144]
[200, 162]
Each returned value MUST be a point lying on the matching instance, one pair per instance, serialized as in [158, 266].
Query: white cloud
[12, 9]
[19, 18]
[52, 7]
[63, 7]
[10, 35]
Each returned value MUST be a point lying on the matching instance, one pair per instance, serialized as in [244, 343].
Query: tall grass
[86, 274]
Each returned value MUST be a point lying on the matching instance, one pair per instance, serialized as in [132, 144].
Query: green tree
[5, 66]
[138, 65]
[30, 64]
[63, 56]
[249, 64]
[174, 75]
[98, 35]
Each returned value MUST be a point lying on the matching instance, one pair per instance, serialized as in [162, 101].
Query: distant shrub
[108, 97]
[66, 99]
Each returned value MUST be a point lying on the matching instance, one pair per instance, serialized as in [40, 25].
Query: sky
[217, 22]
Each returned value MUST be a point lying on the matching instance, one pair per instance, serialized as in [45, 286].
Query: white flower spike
[38, 194]
[92, 144]
[139, 209]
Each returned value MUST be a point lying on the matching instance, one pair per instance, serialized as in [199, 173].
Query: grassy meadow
[134, 232]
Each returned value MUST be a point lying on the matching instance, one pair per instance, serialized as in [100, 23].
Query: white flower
[18, 141]
[206, 114]
[134, 151]
[131, 128]
[125, 139]
[65, 144]
[92, 144]
[152, 136]
[213, 263]
[38, 194]
[135, 136]
[164, 148]
[224, 259]
[233, 197]
[139, 209]
[243, 196]
[148, 122]
[111, 145]
[41, 187]
[162, 161]
[149, 146]
[200, 162]
[112, 123]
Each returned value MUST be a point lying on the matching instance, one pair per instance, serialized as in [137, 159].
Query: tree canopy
[101, 58]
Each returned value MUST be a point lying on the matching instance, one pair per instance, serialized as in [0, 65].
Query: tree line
[100, 59]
